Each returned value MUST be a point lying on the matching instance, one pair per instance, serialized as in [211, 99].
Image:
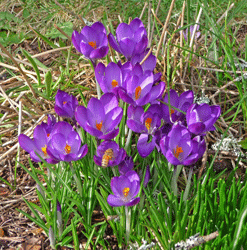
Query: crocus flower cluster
[174, 124]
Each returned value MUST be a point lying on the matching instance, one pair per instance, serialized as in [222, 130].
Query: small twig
[22, 72]
[181, 42]
[152, 32]
[147, 55]
[165, 27]
[144, 7]
[60, 30]
[221, 70]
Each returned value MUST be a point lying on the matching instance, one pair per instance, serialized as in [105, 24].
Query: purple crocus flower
[101, 117]
[65, 143]
[140, 89]
[125, 188]
[201, 118]
[149, 63]
[65, 104]
[179, 148]
[181, 102]
[131, 39]
[109, 154]
[109, 78]
[145, 123]
[192, 27]
[126, 165]
[41, 137]
[92, 41]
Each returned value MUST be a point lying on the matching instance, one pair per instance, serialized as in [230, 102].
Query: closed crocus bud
[52, 238]
[201, 118]
[125, 189]
[59, 219]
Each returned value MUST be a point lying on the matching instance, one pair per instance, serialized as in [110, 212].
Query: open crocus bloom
[201, 118]
[131, 39]
[65, 143]
[101, 117]
[109, 154]
[179, 148]
[65, 104]
[181, 102]
[92, 41]
[41, 137]
[125, 188]
[109, 78]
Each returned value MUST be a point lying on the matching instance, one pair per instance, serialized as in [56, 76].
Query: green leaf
[243, 143]
[30, 59]
[48, 81]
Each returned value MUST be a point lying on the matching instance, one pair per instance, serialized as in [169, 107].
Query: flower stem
[78, 182]
[174, 184]
[187, 189]
[127, 215]
[128, 139]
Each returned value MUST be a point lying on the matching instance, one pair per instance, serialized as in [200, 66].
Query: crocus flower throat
[138, 91]
[44, 150]
[67, 148]
[177, 151]
[148, 123]
[114, 83]
[99, 125]
[93, 44]
[126, 191]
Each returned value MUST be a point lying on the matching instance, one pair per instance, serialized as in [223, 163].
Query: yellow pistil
[126, 192]
[67, 149]
[99, 125]
[44, 150]
[177, 151]
[93, 44]
[138, 91]
[148, 123]
[114, 83]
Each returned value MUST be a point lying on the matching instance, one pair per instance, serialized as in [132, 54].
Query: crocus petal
[144, 147]
[115, 201]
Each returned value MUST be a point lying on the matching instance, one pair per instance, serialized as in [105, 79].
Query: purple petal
[145, 147]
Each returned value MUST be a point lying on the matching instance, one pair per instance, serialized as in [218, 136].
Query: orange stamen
[172, 111]
[114, 83]
[99, 125]
[177, 151]
[138, 92]
[64, 103]
[44, 150]
[126, 192]
[48, 135]
[93, 44]
[67, 149]
[148, 123]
